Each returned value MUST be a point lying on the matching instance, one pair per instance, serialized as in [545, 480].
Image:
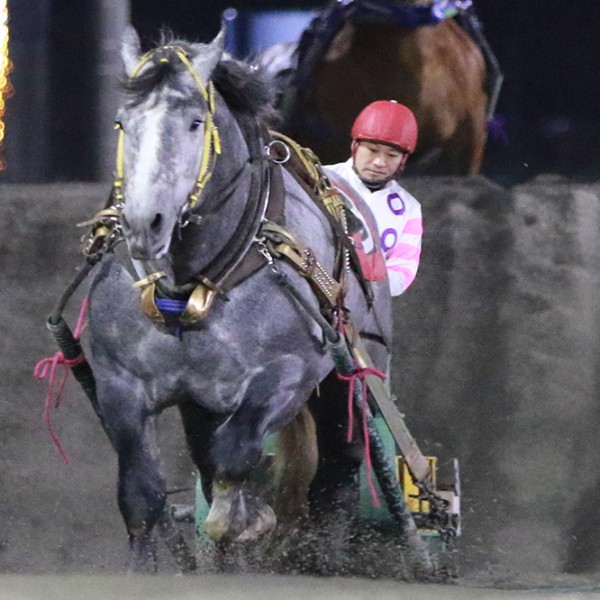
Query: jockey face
[377, 163]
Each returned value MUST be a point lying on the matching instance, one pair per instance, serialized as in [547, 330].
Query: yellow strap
[184, 59]
[212, 140]
[212, 148]
[216, 140]
[120, 144]
[141, 64]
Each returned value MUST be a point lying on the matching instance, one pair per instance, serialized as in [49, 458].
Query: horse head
[168, 138]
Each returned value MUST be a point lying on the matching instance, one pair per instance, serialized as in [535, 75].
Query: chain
[437, 518]
[261, 246]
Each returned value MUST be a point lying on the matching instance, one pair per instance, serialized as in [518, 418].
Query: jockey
[383, 136]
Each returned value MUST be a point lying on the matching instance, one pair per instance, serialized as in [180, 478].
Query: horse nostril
[156, 223]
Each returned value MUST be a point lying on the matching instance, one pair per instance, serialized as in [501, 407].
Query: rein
[410, 15]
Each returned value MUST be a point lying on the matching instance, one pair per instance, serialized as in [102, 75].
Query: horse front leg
[237, 514]
[141, 487]
[141, 498]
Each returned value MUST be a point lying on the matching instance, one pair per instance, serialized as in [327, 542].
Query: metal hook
[186, 217]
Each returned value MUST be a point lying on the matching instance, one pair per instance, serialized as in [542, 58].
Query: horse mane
[245, 86]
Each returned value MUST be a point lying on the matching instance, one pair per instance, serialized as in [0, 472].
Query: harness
[261, 235]
[306, 169]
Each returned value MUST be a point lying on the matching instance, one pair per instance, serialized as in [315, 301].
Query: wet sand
[495, 363]
[256, 587]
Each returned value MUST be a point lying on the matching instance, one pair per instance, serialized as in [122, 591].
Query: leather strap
[283, 244]
[306, 169]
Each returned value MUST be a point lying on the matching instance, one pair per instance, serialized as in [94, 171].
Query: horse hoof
[235, 516]
[264, 522]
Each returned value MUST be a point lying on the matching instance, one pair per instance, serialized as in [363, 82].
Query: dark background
[549, 53]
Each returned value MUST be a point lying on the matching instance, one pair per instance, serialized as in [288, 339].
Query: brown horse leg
[477, 147]
[464, 151]
[294, 467]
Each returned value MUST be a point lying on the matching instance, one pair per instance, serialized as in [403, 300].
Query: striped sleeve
[402, 261]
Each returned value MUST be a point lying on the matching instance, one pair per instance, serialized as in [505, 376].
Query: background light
[5, 67]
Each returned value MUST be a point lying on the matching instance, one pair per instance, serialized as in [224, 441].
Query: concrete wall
[495, 362]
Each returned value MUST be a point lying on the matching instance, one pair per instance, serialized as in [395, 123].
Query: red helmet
[388, 122]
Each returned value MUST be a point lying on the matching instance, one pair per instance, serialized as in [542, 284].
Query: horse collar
[240, 258]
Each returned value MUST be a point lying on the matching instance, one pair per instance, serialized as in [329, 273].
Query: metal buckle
[152, 278]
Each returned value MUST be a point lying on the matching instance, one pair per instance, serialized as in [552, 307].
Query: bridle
[229, 266]
[212, 141]
[411, 15]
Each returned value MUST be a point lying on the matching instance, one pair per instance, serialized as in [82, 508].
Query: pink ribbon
[360, 374]
[47, 368]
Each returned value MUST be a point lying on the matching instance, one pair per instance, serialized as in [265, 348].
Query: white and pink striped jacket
[400, 224]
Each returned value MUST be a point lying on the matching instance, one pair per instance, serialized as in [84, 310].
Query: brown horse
[438, 70]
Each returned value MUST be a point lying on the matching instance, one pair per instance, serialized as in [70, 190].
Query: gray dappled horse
[196, 184]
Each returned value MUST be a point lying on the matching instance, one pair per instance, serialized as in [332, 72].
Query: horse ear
[131, 49]
[209, 56]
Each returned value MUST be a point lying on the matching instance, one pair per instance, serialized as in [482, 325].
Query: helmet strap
[402, 165]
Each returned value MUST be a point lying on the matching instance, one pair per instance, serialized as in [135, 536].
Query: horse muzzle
[141, 251]
[147, 238]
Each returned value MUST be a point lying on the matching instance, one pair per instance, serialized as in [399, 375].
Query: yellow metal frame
[409, 487]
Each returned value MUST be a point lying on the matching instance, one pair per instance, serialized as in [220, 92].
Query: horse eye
[195, 124]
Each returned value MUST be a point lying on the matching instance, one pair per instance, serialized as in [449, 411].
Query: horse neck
[221, 205]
